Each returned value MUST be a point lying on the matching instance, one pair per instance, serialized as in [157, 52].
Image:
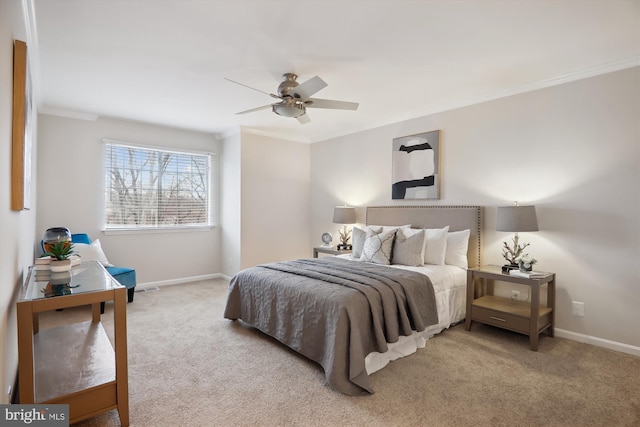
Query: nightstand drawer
[500, 319]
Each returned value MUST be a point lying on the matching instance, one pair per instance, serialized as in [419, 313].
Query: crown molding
[559, 79]
[69, 114]
[274, 135]
[584, 73]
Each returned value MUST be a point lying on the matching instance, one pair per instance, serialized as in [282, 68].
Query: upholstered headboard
[456, 217]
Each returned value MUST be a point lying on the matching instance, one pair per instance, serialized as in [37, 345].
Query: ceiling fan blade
[303, 119]
[329, 103]
[258, 90]
[304, 90]
[255, 109]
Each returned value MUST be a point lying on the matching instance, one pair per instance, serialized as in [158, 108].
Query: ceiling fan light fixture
[289, 108]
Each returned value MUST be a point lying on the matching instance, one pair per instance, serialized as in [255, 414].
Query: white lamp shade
[344, 215]
[517, 218]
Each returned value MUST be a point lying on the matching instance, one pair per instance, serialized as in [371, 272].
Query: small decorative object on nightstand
[525, 262]
[344, 215]
[327, 238]
[529, 318]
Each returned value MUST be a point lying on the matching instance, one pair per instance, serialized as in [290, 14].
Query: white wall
[275, 200]
[230, 208]
[70, 182]
[572, 150]
[16, 228]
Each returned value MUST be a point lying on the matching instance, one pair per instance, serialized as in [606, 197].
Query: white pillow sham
[408, 247]
[457, 247]
[435, 245]
[92, 252]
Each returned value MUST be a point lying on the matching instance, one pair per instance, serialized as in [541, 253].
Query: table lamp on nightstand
[344, 215]
[515, 219]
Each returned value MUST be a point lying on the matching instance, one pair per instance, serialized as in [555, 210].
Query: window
[148, 188]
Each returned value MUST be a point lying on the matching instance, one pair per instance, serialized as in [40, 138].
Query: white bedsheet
[450, 287]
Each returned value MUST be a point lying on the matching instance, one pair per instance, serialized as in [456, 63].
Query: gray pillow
[408, 248]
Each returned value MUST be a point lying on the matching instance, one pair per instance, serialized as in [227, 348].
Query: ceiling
[165, 61]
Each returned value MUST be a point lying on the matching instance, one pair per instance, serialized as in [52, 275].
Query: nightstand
[529, 318]
[331, 250]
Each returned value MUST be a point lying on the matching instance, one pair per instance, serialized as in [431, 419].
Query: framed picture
[22, 132]
[416, 166]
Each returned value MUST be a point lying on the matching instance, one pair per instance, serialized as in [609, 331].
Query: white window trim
[213, 191]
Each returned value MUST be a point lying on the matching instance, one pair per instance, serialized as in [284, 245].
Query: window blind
[148, 188]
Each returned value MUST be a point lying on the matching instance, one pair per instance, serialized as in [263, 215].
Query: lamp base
[508, 267]
[342, 247]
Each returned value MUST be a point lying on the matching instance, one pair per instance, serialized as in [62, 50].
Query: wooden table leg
[120, 333]
[551, 303]
[533, 316]
[95, 312]
[470, 296]
[25, 351]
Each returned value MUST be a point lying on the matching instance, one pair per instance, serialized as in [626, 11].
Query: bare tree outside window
[149, 188]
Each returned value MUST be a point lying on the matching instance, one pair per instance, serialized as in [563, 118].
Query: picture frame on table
[22, 132]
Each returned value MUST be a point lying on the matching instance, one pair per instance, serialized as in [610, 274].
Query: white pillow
[435, 245]
[92, 252]
[378, 246]
[408, 247]
[457, 246]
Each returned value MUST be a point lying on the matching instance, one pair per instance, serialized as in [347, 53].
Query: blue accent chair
[124, 275]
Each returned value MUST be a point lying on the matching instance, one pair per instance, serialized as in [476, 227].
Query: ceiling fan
[295, 98]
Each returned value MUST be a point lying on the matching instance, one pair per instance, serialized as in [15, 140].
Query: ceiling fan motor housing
[289, 82]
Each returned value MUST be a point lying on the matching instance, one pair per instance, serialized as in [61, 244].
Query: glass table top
[86, 277]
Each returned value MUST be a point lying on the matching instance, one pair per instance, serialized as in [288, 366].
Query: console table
[73, 364]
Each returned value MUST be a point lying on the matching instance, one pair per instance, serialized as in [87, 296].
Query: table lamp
[344, 215]
[515, 219]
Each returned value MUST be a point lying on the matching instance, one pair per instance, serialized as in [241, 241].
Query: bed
[353, 314]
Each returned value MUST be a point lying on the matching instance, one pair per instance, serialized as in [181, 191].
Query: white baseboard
[600, 342]
[182, 280]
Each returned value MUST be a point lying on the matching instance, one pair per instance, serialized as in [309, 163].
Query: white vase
[60, 265]
[525, 267]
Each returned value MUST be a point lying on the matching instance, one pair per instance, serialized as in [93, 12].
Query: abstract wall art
[416, 166]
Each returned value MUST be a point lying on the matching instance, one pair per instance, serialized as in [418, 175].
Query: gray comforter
[333, 311]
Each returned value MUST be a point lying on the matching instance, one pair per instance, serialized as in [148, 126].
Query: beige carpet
[190, 367]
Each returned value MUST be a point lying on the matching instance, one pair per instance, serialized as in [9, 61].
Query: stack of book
[528, 274]
[43, 263]
[42, 266]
